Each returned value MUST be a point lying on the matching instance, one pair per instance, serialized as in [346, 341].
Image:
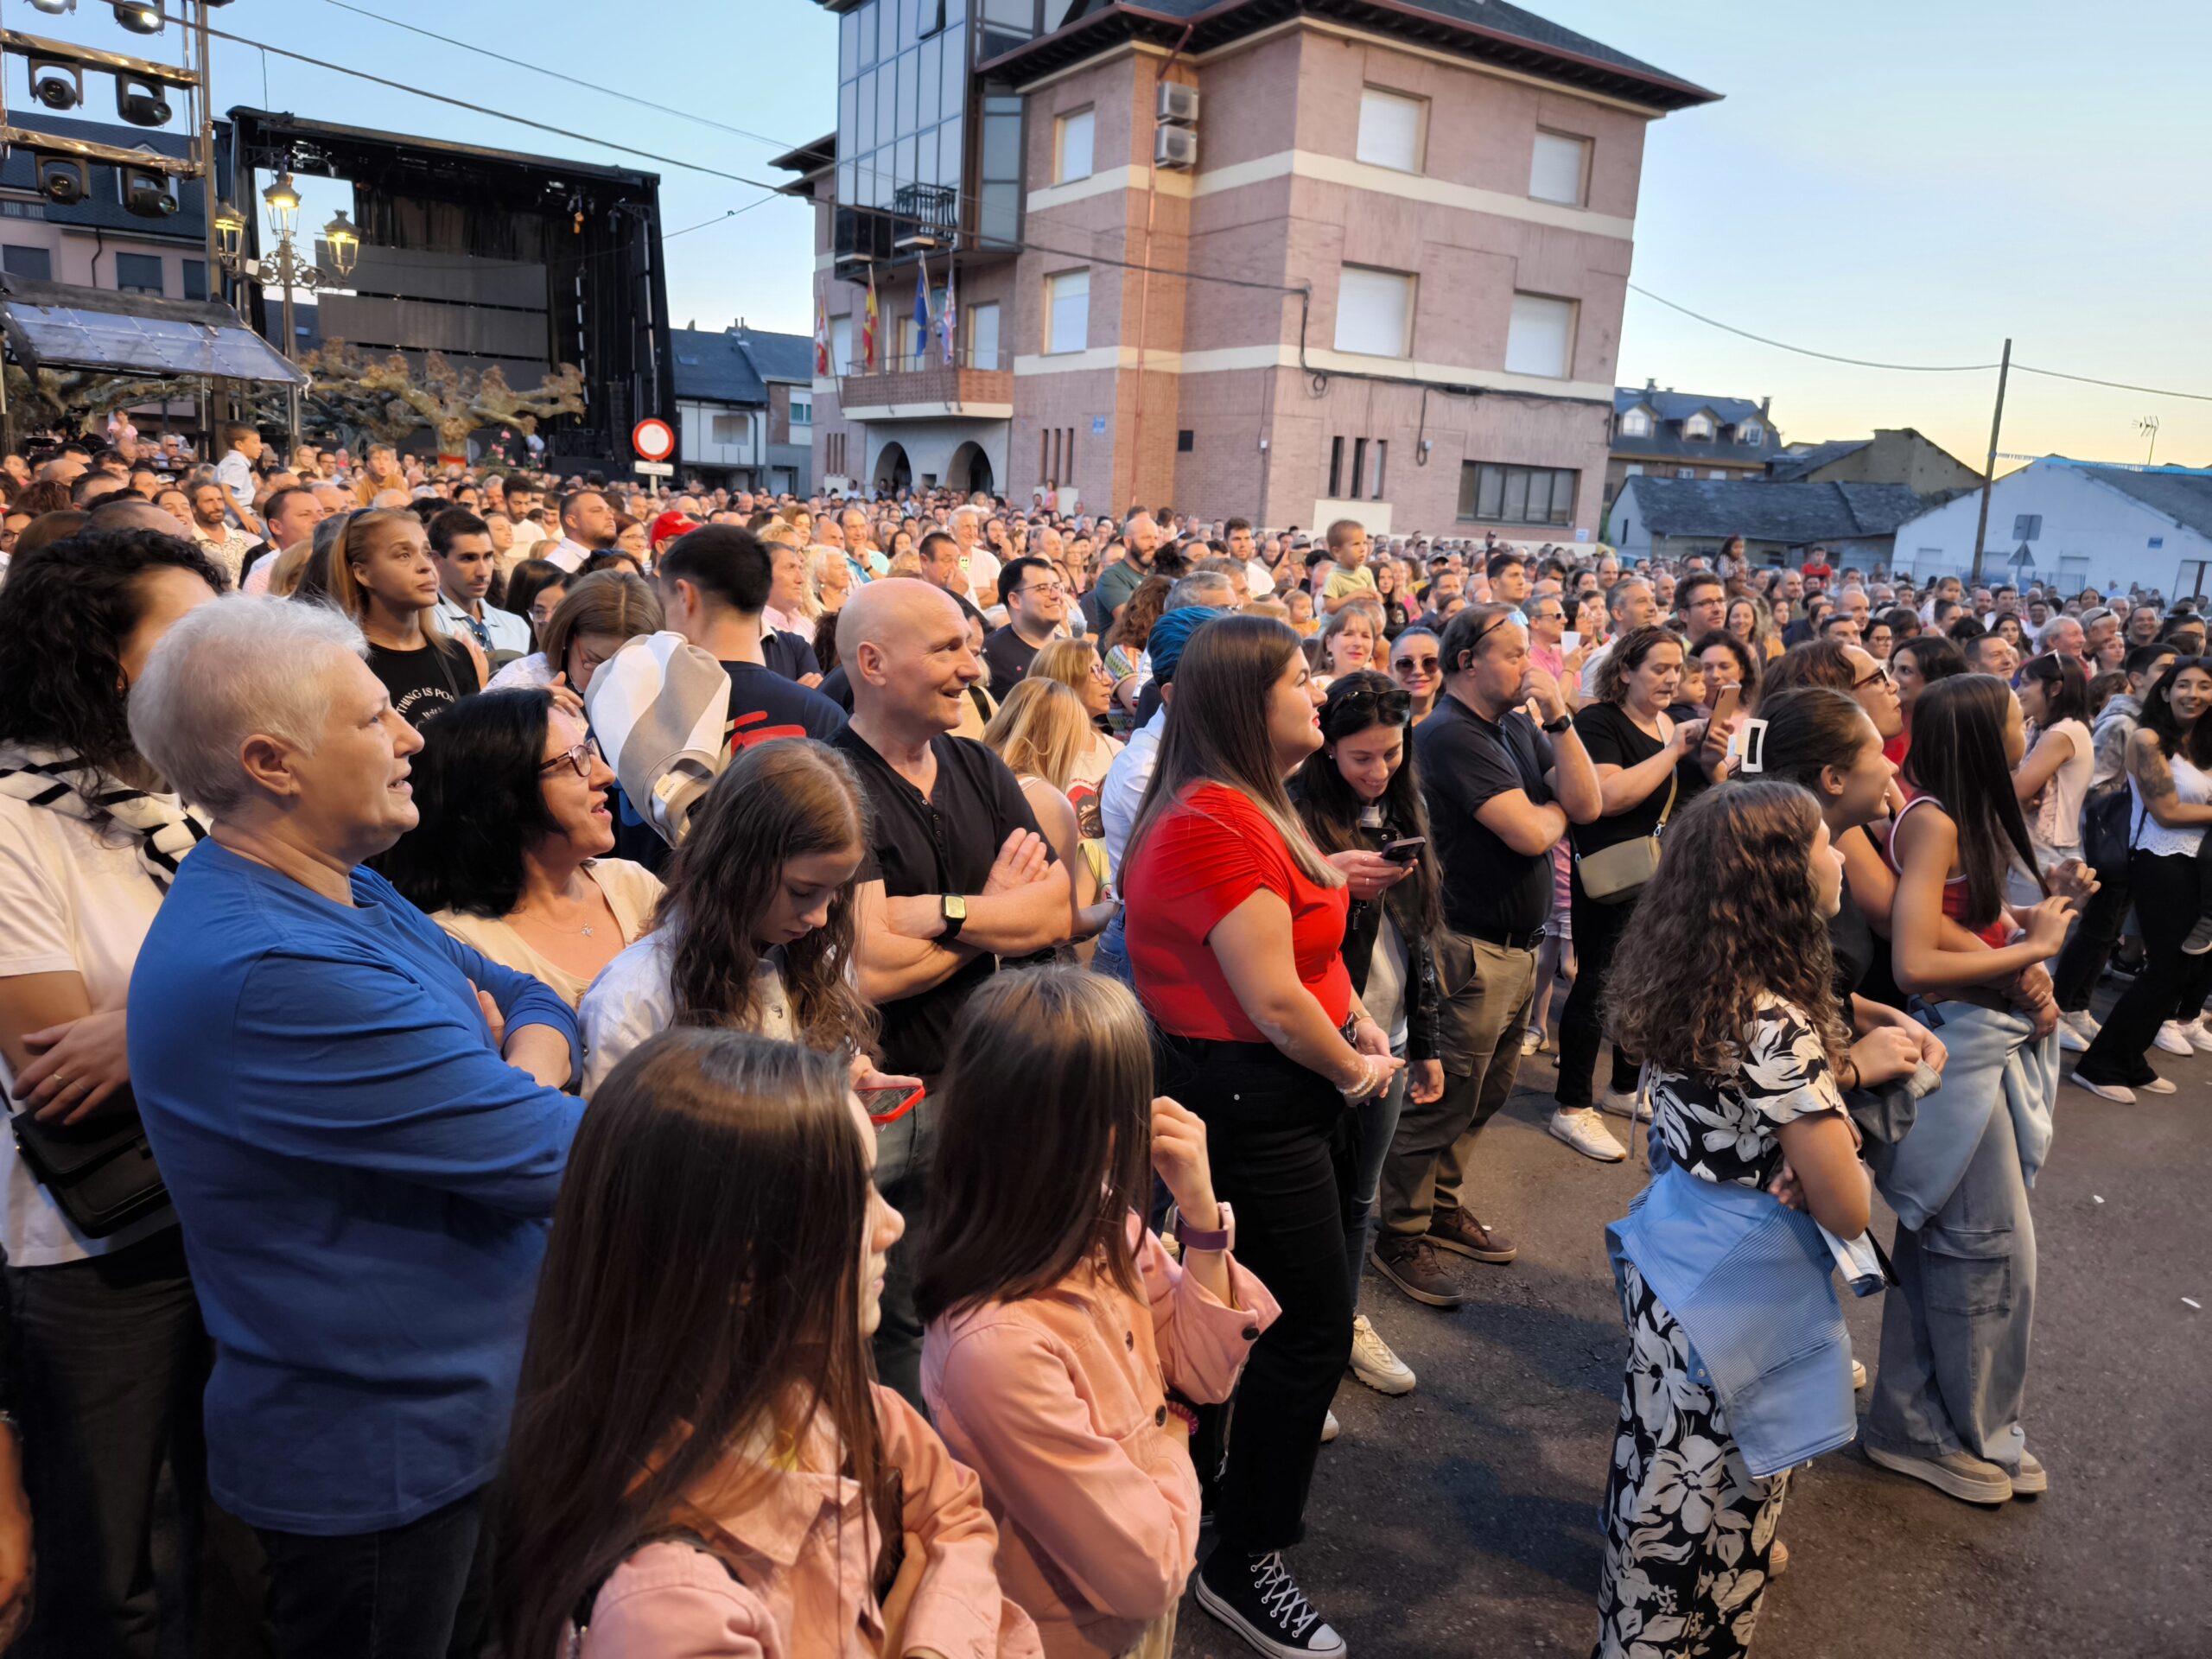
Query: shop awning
[60, 325]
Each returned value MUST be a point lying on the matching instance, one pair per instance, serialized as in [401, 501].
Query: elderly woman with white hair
[361, 1123]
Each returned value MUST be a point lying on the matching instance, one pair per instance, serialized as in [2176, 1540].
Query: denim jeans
[1378, 1127]
[1955, 1327]
[1111, 959]
[1281, 1142]
[1598, 931]
[414, 1591]
[904, 1152]
[108, 1359]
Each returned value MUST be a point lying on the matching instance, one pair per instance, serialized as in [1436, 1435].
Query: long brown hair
[1330, 809]
[1958, 756]
[1218, 734]
[1731, 913]
[1023, 1196]
[1143, 607]
[357, 534]
[773, 802]
[701, 1292]
[612, 602]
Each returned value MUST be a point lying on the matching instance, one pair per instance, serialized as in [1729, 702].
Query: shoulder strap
[1674, 783]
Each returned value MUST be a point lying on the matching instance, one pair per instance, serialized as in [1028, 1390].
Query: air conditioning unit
[1174, 147]
[1178, 104]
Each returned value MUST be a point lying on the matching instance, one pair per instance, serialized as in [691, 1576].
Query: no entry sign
[653, 441]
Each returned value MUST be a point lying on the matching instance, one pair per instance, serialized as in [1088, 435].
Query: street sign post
[652, 440]
[655, 468]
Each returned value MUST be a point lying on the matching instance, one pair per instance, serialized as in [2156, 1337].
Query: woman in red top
[1236, 928]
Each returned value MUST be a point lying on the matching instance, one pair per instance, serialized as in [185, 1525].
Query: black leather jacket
[1363, 927]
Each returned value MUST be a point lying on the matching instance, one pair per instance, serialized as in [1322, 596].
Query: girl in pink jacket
[702, 1466]
[1066, 1344]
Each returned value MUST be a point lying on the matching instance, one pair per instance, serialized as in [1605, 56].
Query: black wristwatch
[955, 915]
[1553, 727]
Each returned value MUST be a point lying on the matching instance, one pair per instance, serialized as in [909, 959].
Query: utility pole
[1989, 477]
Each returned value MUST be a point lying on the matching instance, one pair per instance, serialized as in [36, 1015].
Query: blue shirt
[364, 1185]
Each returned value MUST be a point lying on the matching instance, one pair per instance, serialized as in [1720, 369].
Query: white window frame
[1053, 344]
[840, 345]
[1698, 426]
[1369, 279]
[1751, 435]
[1525, 307]
[730, 430]
[1685, 472]
[1063, 126]
[802, 411]
[1581, 196]
[1636, 423]
[978, 358]
[1369, 144]
[1635, 469]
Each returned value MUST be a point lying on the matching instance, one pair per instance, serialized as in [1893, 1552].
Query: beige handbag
[1613, 874]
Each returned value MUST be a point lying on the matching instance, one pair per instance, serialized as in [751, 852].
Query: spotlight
[57, 85]
[140, 102]
[137, 16]
[53, 8]
[62, 179]
[148, 194]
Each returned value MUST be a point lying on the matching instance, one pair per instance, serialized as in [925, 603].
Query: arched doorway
[969, 470]
[892, 470]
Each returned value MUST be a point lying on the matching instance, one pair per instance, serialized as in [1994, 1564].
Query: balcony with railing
[915, 385]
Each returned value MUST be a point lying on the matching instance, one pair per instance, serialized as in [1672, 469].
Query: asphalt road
[1461, 1519]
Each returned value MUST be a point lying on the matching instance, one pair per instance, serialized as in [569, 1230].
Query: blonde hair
[1042, 729]
[353, 541]
[1066, 662]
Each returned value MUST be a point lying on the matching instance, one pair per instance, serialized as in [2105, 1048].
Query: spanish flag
[868, 327]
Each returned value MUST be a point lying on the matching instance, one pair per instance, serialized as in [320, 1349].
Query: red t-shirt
[1205, 857]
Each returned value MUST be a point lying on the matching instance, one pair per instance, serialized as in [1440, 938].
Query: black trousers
[1598, 930]
[108, 1360]
[2171, 985]
[2103, 919]
[1283, 1148]
[414, 1591]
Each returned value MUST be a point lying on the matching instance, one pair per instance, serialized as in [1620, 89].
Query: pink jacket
[804, 1562]
[1058, 1400]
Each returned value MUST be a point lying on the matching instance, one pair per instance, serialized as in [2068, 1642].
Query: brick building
[1283, 259]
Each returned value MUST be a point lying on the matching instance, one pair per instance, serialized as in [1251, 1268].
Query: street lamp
[283, 264]
[133, 15]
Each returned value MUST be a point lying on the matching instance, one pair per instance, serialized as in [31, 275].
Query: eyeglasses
[1881, 672]
[1050, 589]
[1416, 665]
[583, 757]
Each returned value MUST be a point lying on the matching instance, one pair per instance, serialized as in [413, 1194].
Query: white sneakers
[1373, 1363]
[1624, 1102]
[1330, 1428]
[1585, 1132]
[2076, 1031]
[2173, 1038]
[2119, 1093]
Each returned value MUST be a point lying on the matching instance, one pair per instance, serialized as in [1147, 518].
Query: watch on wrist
[955, 916]
[1221, 1238]
[1555, 727]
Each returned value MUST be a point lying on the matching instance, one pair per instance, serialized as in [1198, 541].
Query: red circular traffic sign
[653, 441]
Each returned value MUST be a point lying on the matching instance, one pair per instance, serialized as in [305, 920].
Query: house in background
[1893, 455]
[1406, 207]
[1669, 434]
[1677, 517]
[745, 407]
[2075, 523]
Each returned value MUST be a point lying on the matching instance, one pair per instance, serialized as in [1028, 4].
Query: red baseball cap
[668, 527]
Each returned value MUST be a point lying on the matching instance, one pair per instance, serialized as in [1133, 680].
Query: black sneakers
[1255, 1597]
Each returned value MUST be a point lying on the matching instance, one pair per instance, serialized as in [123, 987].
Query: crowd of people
[887, 1181]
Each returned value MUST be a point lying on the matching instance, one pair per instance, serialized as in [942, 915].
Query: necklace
[587, 930]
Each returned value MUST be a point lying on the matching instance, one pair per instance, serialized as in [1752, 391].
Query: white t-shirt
[71, 901]
[630, 891]
[632, 1000]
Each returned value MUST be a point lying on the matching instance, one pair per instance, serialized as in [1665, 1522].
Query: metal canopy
[62, 326]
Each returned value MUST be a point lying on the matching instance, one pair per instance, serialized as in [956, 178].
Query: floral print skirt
[1687, 1529]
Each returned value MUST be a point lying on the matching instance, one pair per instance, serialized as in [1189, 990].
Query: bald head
[906, 653]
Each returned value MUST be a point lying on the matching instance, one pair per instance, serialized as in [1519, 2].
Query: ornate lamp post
[284, 264]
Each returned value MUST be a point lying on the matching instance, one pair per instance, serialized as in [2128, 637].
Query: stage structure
[489, 258]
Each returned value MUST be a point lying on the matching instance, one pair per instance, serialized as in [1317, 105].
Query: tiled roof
[778, 357]
[1671, 405]
[1794, 514]
[1669, 447]
[711, 365]
[1789, 469]
[2185, 497]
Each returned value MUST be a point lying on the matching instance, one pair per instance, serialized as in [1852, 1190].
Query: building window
[1391, 127]
[1517, 495]
[1335, 491]
[195, 279]
[802, 412]
[34, 263]
[1685, 472]
[138, 273]
[1186, 440]
[1067, 313]
[840, 345]
[733, 428]
[1071, 147]
[1720, 473]
[1375, 312]
[1558, 169]
[1540, 340]
[1636, 423]
[1381, 456]
[1751, 435]
[1698, 426]
[983, 336]
[1634, 469]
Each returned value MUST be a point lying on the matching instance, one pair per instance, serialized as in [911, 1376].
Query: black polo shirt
[945, 842]
[1464, 762]
[1007, 655]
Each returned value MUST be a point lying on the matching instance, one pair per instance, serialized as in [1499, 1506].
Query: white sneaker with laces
[1585, 1132]
[2083, 1023]
[2173, 1038]
[2199, 1039]
[1531, 1040]
[1627, 1103]
[1373, 1363]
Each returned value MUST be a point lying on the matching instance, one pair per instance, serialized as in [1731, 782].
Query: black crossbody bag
[100, 1172]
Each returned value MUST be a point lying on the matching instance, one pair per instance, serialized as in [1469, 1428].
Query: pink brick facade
[1279, 201]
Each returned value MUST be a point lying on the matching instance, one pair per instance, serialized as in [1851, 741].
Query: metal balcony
[923, 383]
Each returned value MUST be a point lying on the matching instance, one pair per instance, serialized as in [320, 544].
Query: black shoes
[1255, 1597]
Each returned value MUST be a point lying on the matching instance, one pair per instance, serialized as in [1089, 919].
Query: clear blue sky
[1904, 181]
